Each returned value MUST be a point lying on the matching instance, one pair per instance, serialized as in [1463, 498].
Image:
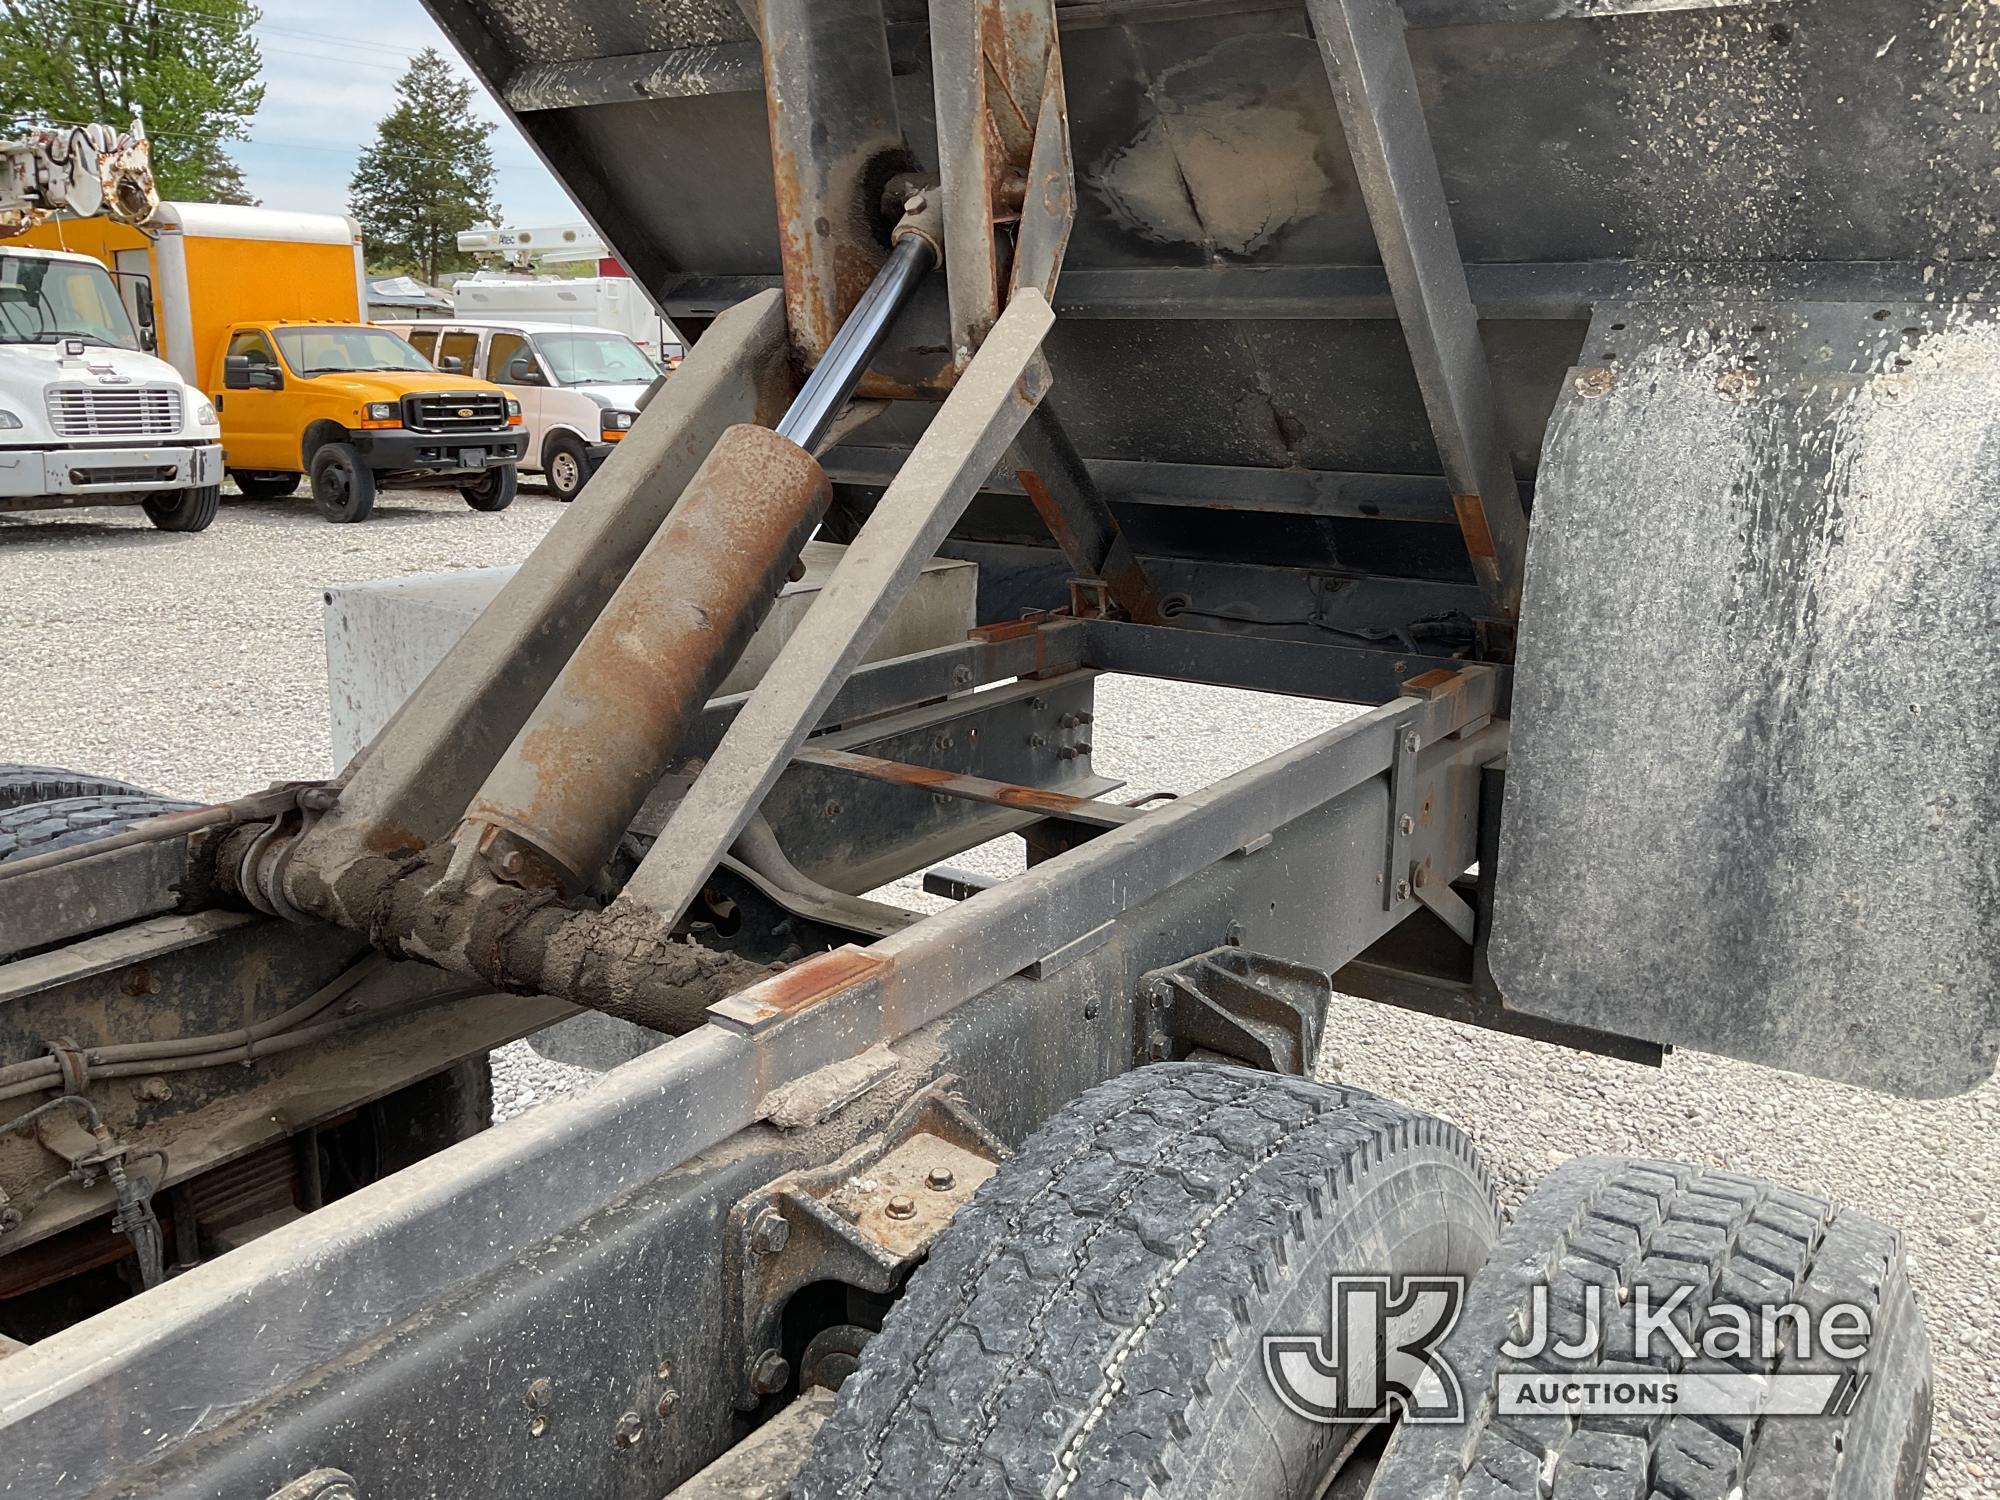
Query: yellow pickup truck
[354, 410]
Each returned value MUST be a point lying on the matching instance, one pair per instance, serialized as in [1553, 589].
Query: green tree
[428, 175]
[189, 67]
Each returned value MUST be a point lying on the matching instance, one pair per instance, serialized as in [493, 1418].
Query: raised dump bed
[1605, 394]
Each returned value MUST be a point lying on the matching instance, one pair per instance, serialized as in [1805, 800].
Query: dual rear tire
[1093, 1322]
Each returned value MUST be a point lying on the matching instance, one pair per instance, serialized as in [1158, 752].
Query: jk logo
[1379, 1352]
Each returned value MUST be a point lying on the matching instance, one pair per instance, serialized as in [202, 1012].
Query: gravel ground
[194, 665]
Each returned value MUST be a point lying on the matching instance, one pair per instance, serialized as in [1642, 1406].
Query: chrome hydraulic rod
[847, 358]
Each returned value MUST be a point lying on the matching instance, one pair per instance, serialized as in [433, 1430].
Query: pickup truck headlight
[513, 407]
[9, 422]
[382, 411]
[204, 415]
[615, 424]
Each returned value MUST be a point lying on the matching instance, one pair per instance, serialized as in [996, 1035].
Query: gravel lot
[195, 665]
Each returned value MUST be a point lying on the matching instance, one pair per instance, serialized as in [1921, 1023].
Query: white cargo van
[579, 387]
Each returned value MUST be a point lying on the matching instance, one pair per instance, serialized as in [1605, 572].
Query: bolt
[669, 1398]
[1066, 752]
[1070, 721]
[769, 1374]
[1090, 1010]
[944, 742]
[152, 1091]
[1412, 742]
[513, 862]
[665, 1371]
[1402, 890]
[1083, 747]
[1038, 704]
[537, 1426]
[916, 203]
[832, 809]
[770, 1232]
[1036, 741]
[1406, 825]
[940, 1179]
[901, 1207]
[626, 1433]
[962, 676]
[538, 1393]
[10, 1218]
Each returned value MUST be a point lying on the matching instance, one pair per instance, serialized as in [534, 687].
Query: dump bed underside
[1227, 352]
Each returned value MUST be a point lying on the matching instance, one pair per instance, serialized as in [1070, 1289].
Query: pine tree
[428, 176]
[189, 67]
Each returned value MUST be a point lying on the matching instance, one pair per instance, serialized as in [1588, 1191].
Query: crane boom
[78, 171]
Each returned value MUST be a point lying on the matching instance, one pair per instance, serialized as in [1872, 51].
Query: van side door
[503, 351]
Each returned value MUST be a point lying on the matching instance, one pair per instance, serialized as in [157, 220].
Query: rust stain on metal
[818, 979]
[1435, 683]
[1046, 507]
[1478, 534]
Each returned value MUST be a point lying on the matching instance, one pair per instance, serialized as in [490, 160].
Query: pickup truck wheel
[1092, 1322]
[493, 490]
[38, 827]
[185, 510]
[343, 486]
[266, 486]
[1622, 1226]
[20, 785]
[568, 466]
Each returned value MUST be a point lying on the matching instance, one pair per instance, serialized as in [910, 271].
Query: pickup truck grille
[85, 411]
[467, 411]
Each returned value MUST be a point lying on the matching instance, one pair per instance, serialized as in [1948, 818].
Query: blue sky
[330, 73]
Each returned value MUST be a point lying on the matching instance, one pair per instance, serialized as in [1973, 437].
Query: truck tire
[493, 490]
[343, 487]
[266, 486]
[20, 785]
[567, 464]
[1092, 1322]
[38, 827]
[1620, 1223]
[184, 510]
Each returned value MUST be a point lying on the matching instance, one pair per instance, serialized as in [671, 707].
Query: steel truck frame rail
[1281, 365]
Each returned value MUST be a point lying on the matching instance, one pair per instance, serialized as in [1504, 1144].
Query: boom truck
[1599, 397]
[88, 414]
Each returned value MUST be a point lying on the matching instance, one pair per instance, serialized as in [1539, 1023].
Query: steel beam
[1060, 806]
[973, 428]
[992, 63]
[835, 143]
[1056, 479]
[1368, 60]
[1540, 291]
[413, 782]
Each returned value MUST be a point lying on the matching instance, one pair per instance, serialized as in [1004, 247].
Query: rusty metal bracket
[1003, 149]
[864, 1220]
[1246, 1007]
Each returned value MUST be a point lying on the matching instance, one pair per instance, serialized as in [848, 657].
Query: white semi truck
[88, 416]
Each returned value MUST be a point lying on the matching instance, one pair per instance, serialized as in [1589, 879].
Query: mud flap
[1753, 791]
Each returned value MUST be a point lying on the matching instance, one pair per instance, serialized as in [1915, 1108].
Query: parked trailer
[1602, 393]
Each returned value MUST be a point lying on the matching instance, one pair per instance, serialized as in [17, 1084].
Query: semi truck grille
[469, 411]
[95, 412]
